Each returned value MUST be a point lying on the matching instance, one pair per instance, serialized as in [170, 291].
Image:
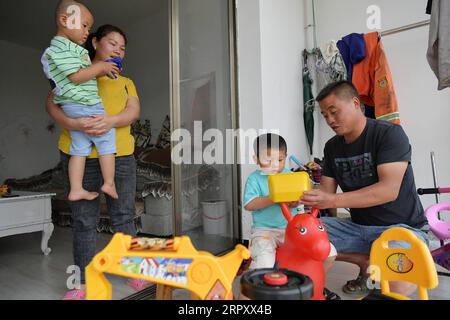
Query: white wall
[250, 85]
[282, 42]
[270, 38]
[26, 146]
[424, 111]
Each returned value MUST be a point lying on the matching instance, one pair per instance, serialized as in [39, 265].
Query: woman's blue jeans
[86, 214]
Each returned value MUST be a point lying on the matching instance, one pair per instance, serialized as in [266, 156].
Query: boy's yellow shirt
[114, 94]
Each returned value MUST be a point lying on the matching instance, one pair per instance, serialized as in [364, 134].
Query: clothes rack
[405, 28]
[382, 34]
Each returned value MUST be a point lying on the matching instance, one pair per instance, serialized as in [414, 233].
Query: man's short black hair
[269, 141]
[343, 89]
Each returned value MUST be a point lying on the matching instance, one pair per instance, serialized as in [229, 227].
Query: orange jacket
[373, 80]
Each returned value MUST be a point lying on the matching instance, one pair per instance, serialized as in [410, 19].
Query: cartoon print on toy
[173, 270]
[176, 270]
[399, 262]
[151, 244]
[129, 264]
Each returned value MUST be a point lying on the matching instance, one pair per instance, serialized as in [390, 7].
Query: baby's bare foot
[82, 195]
[110, 190]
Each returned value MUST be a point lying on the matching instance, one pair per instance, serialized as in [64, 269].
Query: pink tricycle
[441, 229]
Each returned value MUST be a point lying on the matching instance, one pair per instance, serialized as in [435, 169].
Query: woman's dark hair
[102, 32]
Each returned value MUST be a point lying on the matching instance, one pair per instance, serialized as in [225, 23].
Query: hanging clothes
[438, 54]
[352, 48]
[429, 5]
[308, 103]
[369, 112]
[328, 72]
[318, 71]
[329, 50]
[373, 79]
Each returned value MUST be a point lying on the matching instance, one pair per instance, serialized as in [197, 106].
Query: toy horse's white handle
[288, 214]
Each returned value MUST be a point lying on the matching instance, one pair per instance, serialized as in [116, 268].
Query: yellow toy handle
[154, 244]
[398, 234]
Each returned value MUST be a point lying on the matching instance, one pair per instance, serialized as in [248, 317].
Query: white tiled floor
[25, 273]
[337, 277]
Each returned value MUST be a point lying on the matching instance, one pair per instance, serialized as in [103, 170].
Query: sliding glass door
[203, 165]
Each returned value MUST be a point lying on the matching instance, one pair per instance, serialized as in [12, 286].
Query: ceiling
[30, 23]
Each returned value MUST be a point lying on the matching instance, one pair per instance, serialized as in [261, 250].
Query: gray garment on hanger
[438, 54]
[324, 73]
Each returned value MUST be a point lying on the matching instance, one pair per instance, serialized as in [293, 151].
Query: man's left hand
[318, 199]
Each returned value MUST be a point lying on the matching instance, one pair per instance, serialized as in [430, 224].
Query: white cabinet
[29, 212]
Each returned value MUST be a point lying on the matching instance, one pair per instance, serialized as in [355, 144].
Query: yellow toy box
[288, 187]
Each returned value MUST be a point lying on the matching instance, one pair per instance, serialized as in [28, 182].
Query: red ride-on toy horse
[306, 244]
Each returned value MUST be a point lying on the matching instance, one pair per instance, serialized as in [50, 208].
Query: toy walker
[440, 228]
[168, 262]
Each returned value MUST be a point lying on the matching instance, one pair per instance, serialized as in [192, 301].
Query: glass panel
[206, 183]
[148, 64]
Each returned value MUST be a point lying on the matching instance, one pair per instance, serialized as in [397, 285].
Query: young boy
[269, 223]
[73, 78]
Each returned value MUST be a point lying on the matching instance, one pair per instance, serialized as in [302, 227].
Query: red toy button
[275, 279]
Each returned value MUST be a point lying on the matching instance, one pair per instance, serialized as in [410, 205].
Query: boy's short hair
[342, 89]
[269, 141]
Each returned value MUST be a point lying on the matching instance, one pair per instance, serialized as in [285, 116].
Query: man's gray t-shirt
[354, 166]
